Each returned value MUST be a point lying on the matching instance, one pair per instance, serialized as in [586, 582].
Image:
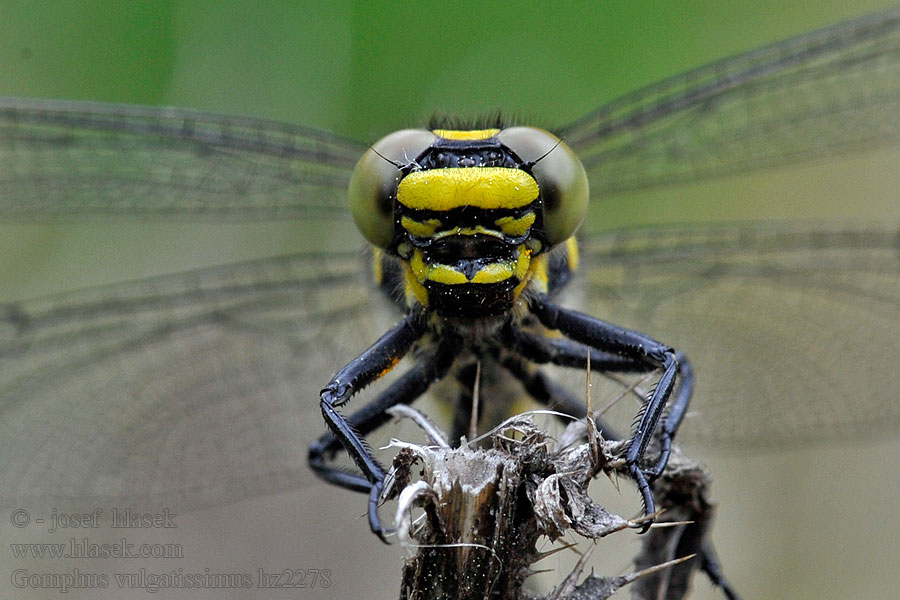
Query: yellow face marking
[470, 231]
[445, 274]
[420, 229]
[515, 227]
[434, 272]
[494, 272]
[460, 134]
[481, 187]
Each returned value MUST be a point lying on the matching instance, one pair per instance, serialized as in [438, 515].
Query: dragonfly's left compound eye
[373, 185]
[559, 174]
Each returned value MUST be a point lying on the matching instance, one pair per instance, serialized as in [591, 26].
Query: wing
[188, 389]
[64, 158]
[791, 327]
[792, 330]
[827, 92]
[185, 390]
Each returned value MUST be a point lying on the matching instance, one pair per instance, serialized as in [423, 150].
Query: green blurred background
[361, 70]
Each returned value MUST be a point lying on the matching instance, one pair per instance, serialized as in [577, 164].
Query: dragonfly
[192, 388]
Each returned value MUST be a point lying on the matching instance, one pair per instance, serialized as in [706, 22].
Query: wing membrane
[185, 388]
[827, 92]
[192, 389]
[77, 158]
[792, 330]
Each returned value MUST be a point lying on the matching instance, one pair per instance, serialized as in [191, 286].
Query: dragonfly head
[471, 212]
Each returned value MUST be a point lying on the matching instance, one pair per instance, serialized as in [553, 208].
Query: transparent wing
[793, 331]
[78, 158]
[194, 389]
[827, 92]
[184, 390]
[189, 388]
[791, 328]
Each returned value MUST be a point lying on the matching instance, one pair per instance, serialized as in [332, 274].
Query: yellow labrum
[462, 134]
[493, 272]
[481, 187]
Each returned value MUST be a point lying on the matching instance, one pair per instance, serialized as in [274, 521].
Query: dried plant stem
[481, 513]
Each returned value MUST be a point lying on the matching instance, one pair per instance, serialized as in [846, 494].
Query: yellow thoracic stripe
[461, 134]
[377, 271]
[523, 263]
[414, 290]
[572, 253]
[481, 187]
[536, 275]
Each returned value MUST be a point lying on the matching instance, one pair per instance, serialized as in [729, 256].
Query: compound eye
[373, 185]
[560, 177]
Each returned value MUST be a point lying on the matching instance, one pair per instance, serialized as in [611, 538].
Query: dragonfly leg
[348, 432]
[568, 353]
[536, 348]
[677, 409]
[709, 562]
[636, 347]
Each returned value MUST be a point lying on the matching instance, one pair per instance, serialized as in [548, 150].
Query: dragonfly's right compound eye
[373, 185]
[560, 175]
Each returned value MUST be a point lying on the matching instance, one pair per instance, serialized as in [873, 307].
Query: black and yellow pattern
[766, 308]
[467, 218]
